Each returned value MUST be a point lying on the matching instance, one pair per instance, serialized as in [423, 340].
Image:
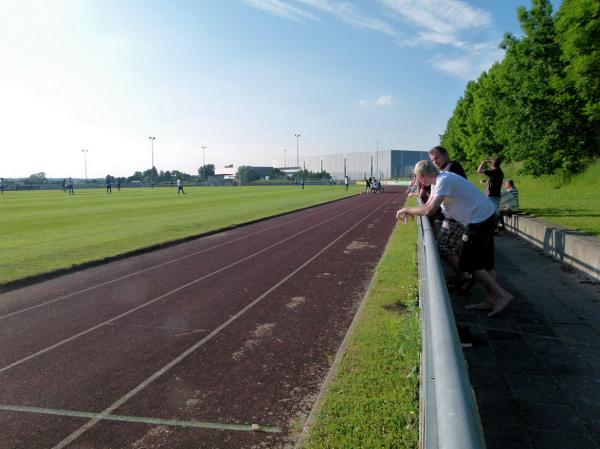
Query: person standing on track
[463, 202]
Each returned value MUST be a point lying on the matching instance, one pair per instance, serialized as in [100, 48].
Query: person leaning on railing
[463, 202]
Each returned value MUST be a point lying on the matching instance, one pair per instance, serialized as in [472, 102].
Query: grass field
[573, 203]
[373, 402]
[48, 230]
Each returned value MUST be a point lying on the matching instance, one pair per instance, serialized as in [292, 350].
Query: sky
[237, 77]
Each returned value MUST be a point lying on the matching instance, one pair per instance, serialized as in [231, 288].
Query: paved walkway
[535, 368]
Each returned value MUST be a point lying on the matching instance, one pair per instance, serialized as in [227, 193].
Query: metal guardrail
[449, 417]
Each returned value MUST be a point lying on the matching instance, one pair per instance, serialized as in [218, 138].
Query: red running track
[189, 346]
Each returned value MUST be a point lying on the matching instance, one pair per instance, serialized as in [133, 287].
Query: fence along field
[49, 230]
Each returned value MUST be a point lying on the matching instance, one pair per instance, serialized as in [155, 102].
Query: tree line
[149, 176]
[540, 106]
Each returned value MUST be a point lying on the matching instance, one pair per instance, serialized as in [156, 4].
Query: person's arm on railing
[429, 208]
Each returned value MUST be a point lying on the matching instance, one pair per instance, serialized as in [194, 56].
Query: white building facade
[384, 164]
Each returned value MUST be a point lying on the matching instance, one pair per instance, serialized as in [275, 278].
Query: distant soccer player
[179, 186]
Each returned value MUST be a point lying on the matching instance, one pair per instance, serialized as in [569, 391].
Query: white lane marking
[127, 276]
[138, 419]
[169, 293]
[77, 433]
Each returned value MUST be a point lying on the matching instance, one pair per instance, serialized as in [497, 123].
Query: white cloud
[348, 13]
[436, 23]
[384, 101]
[281, 9]
[343, 11]
[440, 16]
[471, 63]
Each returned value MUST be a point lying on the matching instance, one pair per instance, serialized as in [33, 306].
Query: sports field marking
[77, 433]
[127, 276]
[169, 293]
[139, 419]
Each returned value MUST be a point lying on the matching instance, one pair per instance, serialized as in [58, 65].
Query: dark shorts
[450, 238]
[478, 246]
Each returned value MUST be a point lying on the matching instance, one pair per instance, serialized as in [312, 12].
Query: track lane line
[169, 293]
[162, 264]
[106, 412]
[138, 419]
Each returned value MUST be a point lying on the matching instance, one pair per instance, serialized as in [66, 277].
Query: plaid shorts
[450, 239]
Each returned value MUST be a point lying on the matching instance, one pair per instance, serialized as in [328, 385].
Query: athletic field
[45, 231]
[223, 341]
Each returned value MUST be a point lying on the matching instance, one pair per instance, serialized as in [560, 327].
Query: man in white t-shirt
[463, 202]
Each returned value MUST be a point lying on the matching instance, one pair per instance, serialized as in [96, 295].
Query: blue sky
[239, 77]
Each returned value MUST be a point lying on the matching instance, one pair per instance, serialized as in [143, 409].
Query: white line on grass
[138, 419]
[76, 434]
[162, 264]
[169, 293]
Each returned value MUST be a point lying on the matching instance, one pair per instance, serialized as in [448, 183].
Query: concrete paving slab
[534, 368]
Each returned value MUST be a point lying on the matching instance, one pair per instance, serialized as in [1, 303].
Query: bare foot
[500, 305]
[485, 305]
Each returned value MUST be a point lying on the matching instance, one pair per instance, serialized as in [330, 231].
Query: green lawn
[573, 203]
[373, 403]
[48, 230]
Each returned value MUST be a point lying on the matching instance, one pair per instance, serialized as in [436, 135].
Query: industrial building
[384, 164]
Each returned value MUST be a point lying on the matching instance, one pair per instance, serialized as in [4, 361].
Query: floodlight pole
[84, 151]
[203, 154]
[152, 139]
[297, 151]
[377, 161]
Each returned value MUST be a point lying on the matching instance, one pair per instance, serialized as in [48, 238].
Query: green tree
[150, 176]
[307, 174]
[275, 173]
[205, 171]
[137, 176]
[246, 174]
[37, 178]
[578, 28]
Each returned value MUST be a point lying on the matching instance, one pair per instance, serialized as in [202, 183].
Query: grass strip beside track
[45, 231]
[373, 401]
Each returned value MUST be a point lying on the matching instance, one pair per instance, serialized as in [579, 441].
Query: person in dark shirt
[491, 169]
[440, 158]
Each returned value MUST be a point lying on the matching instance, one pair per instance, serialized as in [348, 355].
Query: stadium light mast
[84, 151]
[297, 151]
[284, 158]
[152, 139]
[377, 161]
[203, 154]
